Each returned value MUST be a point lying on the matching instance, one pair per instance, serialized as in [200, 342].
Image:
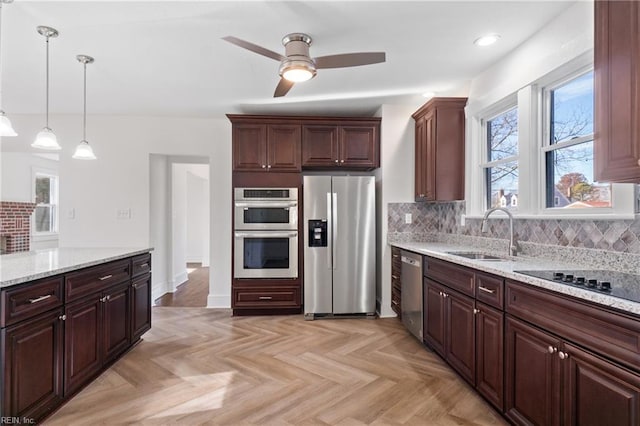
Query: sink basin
[479, 256]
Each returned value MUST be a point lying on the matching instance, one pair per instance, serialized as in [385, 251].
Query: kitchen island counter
[17, 268]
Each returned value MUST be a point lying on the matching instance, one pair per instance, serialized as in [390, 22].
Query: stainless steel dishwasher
[411, 296]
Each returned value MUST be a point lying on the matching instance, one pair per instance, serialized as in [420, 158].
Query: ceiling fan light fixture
[297, 70]
[486, 40]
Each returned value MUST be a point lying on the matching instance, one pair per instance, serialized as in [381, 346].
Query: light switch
[408, 218]
[71, 214]
[124, 214]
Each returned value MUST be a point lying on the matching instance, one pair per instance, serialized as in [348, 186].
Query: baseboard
[214, 301]
[159, 290]
[180, 278]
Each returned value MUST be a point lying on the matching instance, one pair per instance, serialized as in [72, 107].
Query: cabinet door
[617, 91]
[460, 337]
[83, 342]
[319, 146]
[283, 147]
[597, 392]
[532, 375]
[249, 147]
[359, 146]
[434, 315]
[140, 306]
[490, 354]
[429, 159]
[420, 160]
[117, 324]
[32, 364]
[396, 286]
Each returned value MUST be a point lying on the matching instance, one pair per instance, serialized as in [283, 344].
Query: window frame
[533, 140]
[54, 194]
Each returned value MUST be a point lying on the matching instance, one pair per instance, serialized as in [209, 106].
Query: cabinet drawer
[96, 278]
[614, 335]
[28, 300]
[262, 298]
[490, 290]
[141, 264]
[454, 276]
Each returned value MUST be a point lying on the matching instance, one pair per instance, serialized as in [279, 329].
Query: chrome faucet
[513, 245]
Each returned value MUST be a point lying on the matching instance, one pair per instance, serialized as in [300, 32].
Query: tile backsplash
[621, 236]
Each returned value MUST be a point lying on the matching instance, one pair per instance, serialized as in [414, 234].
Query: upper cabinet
[345, 144]
[266, 147]
[617, 91]
[290, 144]
[439, 150]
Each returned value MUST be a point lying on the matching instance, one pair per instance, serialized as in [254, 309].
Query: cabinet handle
[62, 317]
[395, 255]
[39, 299]
[269, 166]
[486, 290]
[421, 195]
[146, 265]
[105, 298]
[265, 298]
[341, 161]
[336, 161]
[264, 166]
[445, 295]
[476, 311]
[563, 355]
[551, 349]
[106, 277]
[134, 286]
[394, 277]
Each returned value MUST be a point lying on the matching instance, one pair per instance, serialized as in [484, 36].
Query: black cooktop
[617, 284]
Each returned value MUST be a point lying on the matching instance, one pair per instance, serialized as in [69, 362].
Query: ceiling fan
[297, 66]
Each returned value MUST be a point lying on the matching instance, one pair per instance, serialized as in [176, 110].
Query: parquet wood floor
[192, 293]
[202, 366]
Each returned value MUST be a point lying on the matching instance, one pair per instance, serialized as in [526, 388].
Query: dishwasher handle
[410, 261]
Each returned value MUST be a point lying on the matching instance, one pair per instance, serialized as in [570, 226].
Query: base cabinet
[140, 306]
[490, 354]
[396, 282]
[552, 382]
[32, 366]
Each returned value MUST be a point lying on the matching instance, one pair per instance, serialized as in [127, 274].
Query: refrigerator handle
[329, 231]
[334, 230]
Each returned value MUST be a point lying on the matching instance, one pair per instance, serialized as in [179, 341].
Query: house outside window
[45, 218]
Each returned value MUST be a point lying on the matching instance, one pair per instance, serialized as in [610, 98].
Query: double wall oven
[266, 233]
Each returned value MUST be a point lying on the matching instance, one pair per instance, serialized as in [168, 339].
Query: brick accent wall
[15, 225]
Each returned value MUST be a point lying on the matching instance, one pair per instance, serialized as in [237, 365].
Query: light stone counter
[17, 268]
[507, 268]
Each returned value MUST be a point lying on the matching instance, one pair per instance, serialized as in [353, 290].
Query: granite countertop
[17, 268]
[507, 268]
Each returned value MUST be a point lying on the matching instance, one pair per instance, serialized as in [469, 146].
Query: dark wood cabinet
[396, 281]
[434, 316]
[532, 371]
[490, 354]
[140, 306]
[32, 351]
[617, 91]
[266, 147]
[342, 145]
[439, 150]
[60, 332]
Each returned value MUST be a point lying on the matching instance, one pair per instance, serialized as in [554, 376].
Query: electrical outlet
[408, 218]
[124, 214]
[463, 220]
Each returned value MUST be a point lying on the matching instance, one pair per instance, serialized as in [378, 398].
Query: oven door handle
[266, 204]
[267, 234]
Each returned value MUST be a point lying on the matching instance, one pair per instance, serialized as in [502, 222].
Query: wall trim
[179, 278]
[159, 289]
[219, 301]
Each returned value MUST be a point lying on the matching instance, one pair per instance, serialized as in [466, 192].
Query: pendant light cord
[47, 72]
[84, 116]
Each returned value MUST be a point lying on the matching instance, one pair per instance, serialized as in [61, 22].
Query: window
[568, 150]
[501, 166]
[46, 199]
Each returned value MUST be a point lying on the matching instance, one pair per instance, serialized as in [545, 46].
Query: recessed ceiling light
[487, 40]
[428, 95]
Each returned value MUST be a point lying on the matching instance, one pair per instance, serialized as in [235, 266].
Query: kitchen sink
[479, 256]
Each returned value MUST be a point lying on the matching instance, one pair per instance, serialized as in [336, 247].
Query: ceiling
[166, 58]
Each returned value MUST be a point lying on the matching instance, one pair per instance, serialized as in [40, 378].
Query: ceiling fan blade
[283, 87]
[254, 48]
[349, 59]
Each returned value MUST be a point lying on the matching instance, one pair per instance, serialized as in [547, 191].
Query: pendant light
[46, 139]
[6, 129]
[83, 150]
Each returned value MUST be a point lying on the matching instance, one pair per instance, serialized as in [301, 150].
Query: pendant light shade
[6, 129]
[83, 150]
[46, 139]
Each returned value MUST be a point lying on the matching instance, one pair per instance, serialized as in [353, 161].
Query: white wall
[179, 224]
[198, 214]
[119, 180]
[160, 223]
[394, 184]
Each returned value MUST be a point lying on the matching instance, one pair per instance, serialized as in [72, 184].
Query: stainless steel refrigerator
[339, 246]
